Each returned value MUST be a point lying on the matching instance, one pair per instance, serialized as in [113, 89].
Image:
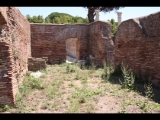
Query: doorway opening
[72, 50]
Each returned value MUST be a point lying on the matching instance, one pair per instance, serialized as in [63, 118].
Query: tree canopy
[35, 19]
[91, 10]
[114, 26]
[57, 18]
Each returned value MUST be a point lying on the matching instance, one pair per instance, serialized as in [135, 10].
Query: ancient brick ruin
[26, 46]
[78, 41]
[14, 52]
[137, 44]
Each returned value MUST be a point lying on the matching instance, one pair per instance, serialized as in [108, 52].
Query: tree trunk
[91, 15]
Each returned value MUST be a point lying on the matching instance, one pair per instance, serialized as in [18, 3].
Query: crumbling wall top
[3, 15]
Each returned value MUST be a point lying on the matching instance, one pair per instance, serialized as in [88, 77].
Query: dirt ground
[80, 91]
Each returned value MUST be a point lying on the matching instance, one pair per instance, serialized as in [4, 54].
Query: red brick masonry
[14, 52]
[49, 40]
[137, 44]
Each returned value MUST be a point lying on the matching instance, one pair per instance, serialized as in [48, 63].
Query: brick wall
[137, 44]
[100, 42]
[14, 52]
[49, 40]
[72, 47]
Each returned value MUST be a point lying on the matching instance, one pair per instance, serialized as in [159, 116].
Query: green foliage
[78, 19]
[63, 18]
[82, 95]
[4, 108]
[47, 20]
[91, 10]
[143, 105]
[70, 68]
[57, 18]
[148, 90]
[78, 76]
[114, 26]
[129, 78]
[85, 77]
[108, 69]
[51, 91]
[28, 84]
[35, 19]
[35, 83]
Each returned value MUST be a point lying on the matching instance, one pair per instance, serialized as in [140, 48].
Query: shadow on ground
[139, 87]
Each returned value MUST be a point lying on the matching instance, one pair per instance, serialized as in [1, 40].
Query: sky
[127, 12]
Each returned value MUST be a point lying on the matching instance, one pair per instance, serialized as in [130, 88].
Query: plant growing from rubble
[108, 69]
[148, 90]
[148, 94]
[70, 68]
[129, 78]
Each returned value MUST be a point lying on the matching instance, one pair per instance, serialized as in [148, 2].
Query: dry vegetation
[68, 88]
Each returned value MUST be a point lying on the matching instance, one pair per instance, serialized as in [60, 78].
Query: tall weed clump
[128, 78]
[108, 69]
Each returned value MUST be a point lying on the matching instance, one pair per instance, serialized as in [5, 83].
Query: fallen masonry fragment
[35, 64]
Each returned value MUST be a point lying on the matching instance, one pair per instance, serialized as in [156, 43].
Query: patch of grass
[45, 105]
[143, 105]
[98, 73]
[74, 107]
[81, 99]
[31, 82]
[90, 108]
[108, 69]
[35, 83]
[148, 94]
[118, 93]
[64, 77]
[128, 102]
[26, 87]
[51, 92]
[45, 71]
[85, 77]
[70, 68]
[63, 64]
[83, 92]
[4, 108]
[71, 85]
[33, 107]
[78, 75]
[82, 96]
[123, 107]
[92, 67]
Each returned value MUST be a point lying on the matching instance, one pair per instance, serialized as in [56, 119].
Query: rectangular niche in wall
[72, 49]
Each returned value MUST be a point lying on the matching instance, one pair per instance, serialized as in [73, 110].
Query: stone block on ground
[35, 64]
